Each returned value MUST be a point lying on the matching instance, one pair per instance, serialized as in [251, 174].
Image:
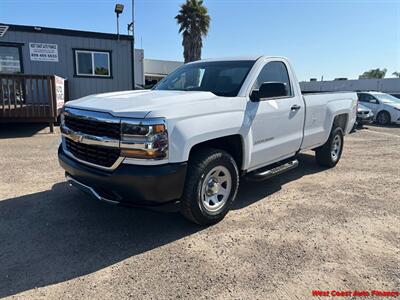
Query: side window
[361, 98]
[274, 71]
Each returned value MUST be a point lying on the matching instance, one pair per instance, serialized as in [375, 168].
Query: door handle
[295, 107]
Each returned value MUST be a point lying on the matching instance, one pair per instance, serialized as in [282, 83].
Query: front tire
[328, 155]
[383, 118]
[211, 186]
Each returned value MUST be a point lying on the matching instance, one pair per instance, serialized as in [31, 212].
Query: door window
[367, 98]
[370, 99]
[275, 71]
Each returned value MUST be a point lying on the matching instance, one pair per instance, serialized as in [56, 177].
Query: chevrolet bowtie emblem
[76, 138]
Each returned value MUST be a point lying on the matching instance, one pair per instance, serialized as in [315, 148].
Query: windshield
[386, 98]
[223, 78]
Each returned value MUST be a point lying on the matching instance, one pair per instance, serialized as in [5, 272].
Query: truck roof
[372, 92]
[238, 58]
[233, 58]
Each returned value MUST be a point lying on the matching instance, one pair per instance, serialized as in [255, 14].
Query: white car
[194, 135]
[385, 107]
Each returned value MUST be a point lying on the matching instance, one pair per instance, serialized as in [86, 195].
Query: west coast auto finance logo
[355, 293]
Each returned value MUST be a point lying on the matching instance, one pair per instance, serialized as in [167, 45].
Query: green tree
[396, 74]
[194, 22]
[374, 73]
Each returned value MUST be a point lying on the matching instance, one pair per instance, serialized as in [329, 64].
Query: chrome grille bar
[88, 139]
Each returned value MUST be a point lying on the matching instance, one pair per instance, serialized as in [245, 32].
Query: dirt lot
[308, 229]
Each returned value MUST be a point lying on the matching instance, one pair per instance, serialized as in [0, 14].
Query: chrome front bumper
[128, 184]
[87, 189]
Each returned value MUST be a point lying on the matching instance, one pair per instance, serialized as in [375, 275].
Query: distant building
[155, 70]
[386, 85]
[92, 62]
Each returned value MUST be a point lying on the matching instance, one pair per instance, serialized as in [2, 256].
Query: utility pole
[131, 28]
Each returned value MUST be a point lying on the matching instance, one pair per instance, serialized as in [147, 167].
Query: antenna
[131, 29]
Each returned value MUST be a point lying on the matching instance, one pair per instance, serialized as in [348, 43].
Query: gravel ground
[308, 229]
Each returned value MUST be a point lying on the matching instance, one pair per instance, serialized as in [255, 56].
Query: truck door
[277, 122]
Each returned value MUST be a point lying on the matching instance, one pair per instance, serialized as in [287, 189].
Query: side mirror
[269, 89]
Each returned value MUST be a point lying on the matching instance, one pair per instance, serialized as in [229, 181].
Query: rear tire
[211, 186]
[328, 155]
[383, 118]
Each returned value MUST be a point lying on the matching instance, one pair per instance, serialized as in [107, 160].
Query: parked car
[200, 129]
[364, 116]
[385, 107]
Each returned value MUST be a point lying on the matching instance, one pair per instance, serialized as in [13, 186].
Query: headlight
[144, 139]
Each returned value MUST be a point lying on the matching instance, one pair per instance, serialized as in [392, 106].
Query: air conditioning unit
[3, 30]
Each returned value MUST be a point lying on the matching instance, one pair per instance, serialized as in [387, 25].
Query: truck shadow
[60, 234]
[252, 191]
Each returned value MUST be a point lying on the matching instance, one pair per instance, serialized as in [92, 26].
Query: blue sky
[321, 38]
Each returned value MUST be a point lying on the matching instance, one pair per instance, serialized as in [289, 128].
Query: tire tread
[323, 153]
[197, 163]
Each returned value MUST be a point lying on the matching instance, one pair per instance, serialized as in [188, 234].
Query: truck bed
[320, 109]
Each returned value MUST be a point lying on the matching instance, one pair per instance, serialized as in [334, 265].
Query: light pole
[131, 29]
[119, 8]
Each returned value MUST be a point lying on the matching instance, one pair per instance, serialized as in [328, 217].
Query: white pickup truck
[191, 138]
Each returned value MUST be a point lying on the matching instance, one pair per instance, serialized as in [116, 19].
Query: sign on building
[43, 52]
[60, 92]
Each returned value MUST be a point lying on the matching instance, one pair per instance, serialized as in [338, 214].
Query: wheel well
[232, 144]
[341, 121]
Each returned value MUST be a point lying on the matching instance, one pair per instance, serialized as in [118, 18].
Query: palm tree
[194, 23]
[396, 74]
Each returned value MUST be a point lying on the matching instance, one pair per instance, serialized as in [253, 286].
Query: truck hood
[138, 104]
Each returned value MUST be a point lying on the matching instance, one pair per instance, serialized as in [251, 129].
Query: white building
[155, 69]
[386, 85]
[150, 71]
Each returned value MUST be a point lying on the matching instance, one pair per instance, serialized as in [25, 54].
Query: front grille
[97, 128]
[103, 156]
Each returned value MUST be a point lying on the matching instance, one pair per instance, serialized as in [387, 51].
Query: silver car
[364, 115]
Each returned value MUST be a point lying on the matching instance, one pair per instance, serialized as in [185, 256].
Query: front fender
[186, 133]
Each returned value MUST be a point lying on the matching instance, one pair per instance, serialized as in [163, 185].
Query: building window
[92, 63]
[10, 60]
